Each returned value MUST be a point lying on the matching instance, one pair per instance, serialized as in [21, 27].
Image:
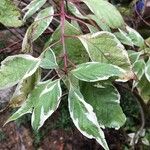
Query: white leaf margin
[86, 37]
[92, 117]
[28, 73]
[47, 115]
[99, 78]
[53, 54]
[30, 8]
[147, 70]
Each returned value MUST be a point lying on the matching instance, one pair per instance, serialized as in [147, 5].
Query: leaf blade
[37, 28]
[48, 60]
[9, 14]
[103, 10]
[105, 99]
[17, 67]
[23, 89]
[48, 94]
[147, 70]
[104, 47]
[84, 118]
[95, 71]
[34, 6]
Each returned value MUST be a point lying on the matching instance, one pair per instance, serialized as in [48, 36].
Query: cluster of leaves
[88, 65]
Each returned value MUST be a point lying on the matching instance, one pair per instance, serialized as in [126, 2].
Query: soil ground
[20, 136]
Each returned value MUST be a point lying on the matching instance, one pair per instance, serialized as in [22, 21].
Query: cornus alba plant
[87, 54]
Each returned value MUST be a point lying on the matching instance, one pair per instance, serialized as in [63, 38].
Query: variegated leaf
[95, 71]
[84, 118]
[16, 68]
[135, 37]
[103, 25]
[24, 88]
[133, 56]
[144, 89]
[77, 13]
[123, 37]
[147, 70]
[43, 100]
[26, 108]
[33, 7]
[43, 19]
[74, 10]
[48, 60]
[9, 14]
[104, 47]
[36, 29]
[47, 96]
[103, 10]
[131, 37]
[139, 70]
[105, 100]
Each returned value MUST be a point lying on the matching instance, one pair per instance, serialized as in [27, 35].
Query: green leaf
[144, 89]
[27, 41]
[23, 89]
[9, 14]
[77, 13]
[33, 7]
[135, 37]
[16, 68]
[92, 29]
[134, 56]
[49, 95]
[139, 68]
[147, 70]
[123, 37]
[130, 37]
[36, 29]
[95, 71]
[84, 118]
[43, 19]
[26, 108]
[73, 9]
[100, 23]
[106, 48]
[74, 47]
[43, 101]
[105, 99]
[103, 10]
[48, 60]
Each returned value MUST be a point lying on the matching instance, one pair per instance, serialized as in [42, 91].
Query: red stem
[73, 18]
[63, 35]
